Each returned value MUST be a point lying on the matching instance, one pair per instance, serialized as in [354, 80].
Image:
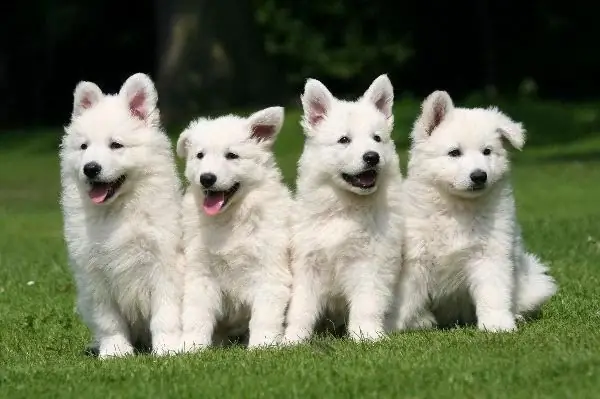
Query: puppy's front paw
[167, 344]
[264, 339]
[424, 321]
[193, 343]
[293, 339]
[366, 332]
[112, 347]
[296, 335]
[497, 322]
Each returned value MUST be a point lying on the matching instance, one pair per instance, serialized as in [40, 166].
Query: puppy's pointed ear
[265, 125]
[85, 96]
[381, 94]
[511, 131]
[316, 103]
[141, 97]
[434, 110]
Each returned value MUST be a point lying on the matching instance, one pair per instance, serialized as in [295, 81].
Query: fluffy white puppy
[464, 260]
[120, 201]
[347, 230]
[236, 230]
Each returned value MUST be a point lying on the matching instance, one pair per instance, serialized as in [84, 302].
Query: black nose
[208, 179]
[371, 158]
[92, 169]
[478, 176]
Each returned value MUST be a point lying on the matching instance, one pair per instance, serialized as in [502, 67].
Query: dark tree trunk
[211, 57]
[488, 47]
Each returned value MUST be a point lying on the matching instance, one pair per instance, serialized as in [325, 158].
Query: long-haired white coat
[464, 259]
[347, 230]
[236, 230]
[120, 200]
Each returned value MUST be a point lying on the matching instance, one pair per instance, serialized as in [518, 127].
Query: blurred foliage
[324, 39]
[504, 49]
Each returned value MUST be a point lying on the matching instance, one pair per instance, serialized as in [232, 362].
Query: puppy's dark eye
[455, 153]
[487, 151]
[200, 155]
[115, 146]
[83, 146]
[344, 140]
[231, 155]
[377, 138]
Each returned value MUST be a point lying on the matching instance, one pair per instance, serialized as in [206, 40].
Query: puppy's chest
[336, 243]
[126, 249]
[448, 240]
[234, 254]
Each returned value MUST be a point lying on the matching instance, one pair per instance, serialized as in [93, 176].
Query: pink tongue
[98, 193]
[213, 202]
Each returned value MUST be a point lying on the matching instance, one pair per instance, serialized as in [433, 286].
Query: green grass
[557, 185]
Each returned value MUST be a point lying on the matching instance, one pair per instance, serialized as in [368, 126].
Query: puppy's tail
[534, 286]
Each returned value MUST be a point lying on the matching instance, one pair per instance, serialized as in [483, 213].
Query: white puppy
[236, 230]
[464, 260]
[347, 233]
[120, 200]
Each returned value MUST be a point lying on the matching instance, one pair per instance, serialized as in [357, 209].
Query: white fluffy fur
[346, 240]
[464, 260]
[123, 252]
[237, 261]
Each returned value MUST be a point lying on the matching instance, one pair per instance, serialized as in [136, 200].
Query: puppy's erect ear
[511, 131]
[381, 94]
[86, 95]
[264, 125]
[140, 94]
[316, 103]
[433, 111]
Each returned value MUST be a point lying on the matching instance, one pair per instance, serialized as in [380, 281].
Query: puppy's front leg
[110, 329]
[411, 305]
[165, 322]
[369, 293]
[268, 314]
[491, 285]
[201, 306]
[306, 304]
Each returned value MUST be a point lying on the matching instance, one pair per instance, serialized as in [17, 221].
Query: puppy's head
[348, 143]
[111, 139]
[229, 156]
[462, 150]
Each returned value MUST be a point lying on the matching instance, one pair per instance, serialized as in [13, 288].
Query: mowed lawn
[557, 186]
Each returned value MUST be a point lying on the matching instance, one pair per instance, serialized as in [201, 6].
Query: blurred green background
[214, 56]
[537, 61]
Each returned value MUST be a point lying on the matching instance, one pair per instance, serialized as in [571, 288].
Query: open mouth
[103, 191]
[215, 201]
[363, 180]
